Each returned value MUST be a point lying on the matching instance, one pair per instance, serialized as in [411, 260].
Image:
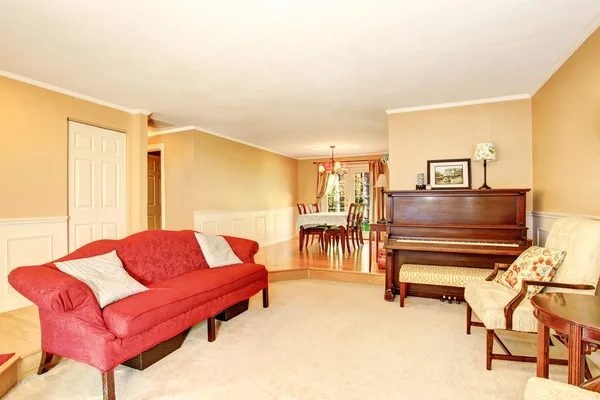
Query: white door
[97, 184]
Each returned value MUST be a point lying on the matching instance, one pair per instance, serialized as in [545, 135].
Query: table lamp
[484, 152]
[381, 183]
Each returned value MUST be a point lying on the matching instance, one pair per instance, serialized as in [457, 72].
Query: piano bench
[438, 275]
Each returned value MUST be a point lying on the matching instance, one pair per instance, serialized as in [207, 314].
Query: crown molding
[344, 155]
[213, 133]
[522, 96]
[80, 96]
[172, 130]
[591, 28]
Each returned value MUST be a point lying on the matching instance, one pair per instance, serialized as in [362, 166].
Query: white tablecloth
[329, 218]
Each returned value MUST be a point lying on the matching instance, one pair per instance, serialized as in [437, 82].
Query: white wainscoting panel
[265, 226]
[542, 221]
[28, 241]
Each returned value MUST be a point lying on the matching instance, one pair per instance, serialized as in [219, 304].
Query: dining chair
[301, 208]
[315, 207]
[310, 230]
[340, 233]
[355, 230]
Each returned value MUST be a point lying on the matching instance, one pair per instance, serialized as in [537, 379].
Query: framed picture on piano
[449, 174]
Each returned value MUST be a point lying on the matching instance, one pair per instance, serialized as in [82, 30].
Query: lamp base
[485, 186]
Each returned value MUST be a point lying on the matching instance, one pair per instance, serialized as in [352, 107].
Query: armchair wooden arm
[593, 384]
[514, 303]
[497, 268]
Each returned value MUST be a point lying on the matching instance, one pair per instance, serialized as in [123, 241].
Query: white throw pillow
[105, 275]
[217, 252]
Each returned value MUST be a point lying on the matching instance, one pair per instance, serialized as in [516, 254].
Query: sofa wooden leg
[266, 298]
[489, 348]
[469, 318]
[212, 329]
[45, 362]
[108, 386]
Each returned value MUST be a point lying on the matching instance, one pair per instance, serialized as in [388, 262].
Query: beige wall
[33, 155]
[307, 175]
[453, 133]
[566, 135]
[178, 167]
[205, 172]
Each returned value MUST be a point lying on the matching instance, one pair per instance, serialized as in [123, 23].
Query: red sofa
[183, 291]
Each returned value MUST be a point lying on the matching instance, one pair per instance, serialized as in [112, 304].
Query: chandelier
[333, 166]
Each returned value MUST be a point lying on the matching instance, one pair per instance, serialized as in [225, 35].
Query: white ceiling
[289, 74]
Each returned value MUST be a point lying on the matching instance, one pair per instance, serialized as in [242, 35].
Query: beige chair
[545, 389]
[498, 307]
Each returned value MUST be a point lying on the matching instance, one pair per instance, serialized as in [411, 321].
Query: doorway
[156, 187]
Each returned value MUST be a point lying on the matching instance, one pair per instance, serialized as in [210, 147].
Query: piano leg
[389, 276]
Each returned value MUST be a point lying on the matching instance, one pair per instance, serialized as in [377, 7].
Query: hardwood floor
[286, 256]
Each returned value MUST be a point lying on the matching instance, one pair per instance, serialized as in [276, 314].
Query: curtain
[324, 184]
[376, 168]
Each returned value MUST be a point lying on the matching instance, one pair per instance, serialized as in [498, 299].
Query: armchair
[545, 389]
[498, 307]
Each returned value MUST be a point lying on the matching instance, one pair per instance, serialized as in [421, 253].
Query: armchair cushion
[545, 389]
[535, 264]
[488, 299]
[580, 238]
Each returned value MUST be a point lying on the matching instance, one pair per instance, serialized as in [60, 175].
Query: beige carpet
[318, 340]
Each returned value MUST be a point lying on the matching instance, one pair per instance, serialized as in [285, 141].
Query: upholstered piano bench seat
[438, 275]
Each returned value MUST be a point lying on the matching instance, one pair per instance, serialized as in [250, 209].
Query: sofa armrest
[245, 249]
[52, 290]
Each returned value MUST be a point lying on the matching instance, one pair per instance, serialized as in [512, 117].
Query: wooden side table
[377, 229]
[573, 316]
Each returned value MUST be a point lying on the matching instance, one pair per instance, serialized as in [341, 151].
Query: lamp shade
[484, 151]
[381, 181]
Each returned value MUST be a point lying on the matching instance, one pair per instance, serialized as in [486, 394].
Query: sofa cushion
[488, 299]
[167, 299]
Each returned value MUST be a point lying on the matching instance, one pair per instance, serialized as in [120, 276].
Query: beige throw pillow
[105, 275]
[534, 264]
[217, 252]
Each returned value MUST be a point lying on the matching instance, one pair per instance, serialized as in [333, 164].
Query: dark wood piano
[463, 228]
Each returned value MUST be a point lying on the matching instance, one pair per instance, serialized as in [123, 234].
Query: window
[336, 197]
[350, 188]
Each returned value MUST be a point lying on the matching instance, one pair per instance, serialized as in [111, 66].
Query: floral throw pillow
[534, 264]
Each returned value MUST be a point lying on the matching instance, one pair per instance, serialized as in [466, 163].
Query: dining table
[322, 218]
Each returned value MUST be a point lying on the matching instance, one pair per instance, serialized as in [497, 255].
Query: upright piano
[463, 228]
